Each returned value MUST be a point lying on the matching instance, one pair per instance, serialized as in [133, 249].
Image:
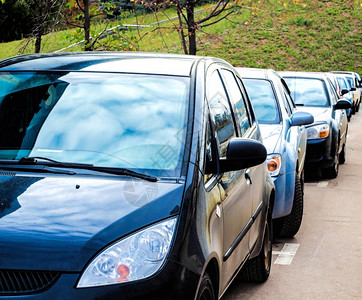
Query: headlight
[274, 163]
[320, 131]
[135, 257]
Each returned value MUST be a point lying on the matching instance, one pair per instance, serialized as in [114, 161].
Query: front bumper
[319, 153]
[173, 282]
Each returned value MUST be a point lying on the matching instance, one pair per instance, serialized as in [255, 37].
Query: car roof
[124, 62]
[300, 74]
[256, 73]
[356, 75]
[343, 72]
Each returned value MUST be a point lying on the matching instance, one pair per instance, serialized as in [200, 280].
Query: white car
[354, 82]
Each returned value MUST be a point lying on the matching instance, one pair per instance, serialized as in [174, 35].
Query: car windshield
[308, 91]
[263, 99]
[342, 83]
[105, 119]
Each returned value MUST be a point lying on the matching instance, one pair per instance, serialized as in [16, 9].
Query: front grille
[20, 282]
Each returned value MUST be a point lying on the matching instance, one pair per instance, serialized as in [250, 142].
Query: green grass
[280, 34]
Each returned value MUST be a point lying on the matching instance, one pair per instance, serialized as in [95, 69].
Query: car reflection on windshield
[113, 121]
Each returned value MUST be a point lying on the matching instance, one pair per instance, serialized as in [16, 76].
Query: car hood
[319, 113]
[271, 134]
[60, 223]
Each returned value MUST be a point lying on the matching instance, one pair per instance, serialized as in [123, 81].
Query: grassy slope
[314, 35]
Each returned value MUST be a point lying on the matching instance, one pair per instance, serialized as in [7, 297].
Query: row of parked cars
[155, 176]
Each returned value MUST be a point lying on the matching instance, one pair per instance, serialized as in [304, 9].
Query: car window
[263, 100]
[237, 100]
[308, 91]
[334, 96]
[342, 83]
[220, 112]
[108, 120]
[249, 106]
[350, 81]
[287, 95]
[289, 100]
[210, 166]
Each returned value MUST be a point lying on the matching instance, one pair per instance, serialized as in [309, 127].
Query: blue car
[285, 138]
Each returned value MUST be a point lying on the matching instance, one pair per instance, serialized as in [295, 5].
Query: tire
[206, 290]
[257, 269]
[357, 107]
[289, 225]
[332, 171]
[342, 155]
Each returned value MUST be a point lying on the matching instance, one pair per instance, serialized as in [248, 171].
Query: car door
[236, 194]
[247, 128]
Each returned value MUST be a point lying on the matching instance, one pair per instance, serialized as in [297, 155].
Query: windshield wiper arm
[126, 172]
[34, 160]
[35, 168]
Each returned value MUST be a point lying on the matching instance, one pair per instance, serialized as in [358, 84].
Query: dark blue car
[129, 176]
[314, 93]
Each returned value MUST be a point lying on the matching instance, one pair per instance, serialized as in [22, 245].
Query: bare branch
[79, 6]
[217, 10]
[216, 21]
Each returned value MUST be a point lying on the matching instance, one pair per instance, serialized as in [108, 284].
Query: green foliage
[300, 21]
[311, 35]
[15, 20]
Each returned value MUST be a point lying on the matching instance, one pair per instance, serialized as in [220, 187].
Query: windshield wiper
[299, 104]
[35, 168]
[126, 172]
[36, 160]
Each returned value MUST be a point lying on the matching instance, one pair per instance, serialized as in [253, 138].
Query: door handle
[247, 176]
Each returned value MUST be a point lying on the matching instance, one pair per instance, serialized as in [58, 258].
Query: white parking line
[286, 255]
[322, 184]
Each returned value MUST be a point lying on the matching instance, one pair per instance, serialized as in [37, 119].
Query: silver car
[354, 83]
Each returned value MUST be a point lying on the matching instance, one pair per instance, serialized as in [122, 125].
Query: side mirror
[353, 89]
[242, 154]
[344, 91]
[342, 104]
[301, 118]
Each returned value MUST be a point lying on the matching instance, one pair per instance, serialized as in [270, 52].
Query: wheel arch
[212, 269]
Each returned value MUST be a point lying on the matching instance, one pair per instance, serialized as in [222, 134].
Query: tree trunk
[39, 28]
[38, 40]
[87, 43]
[181, 30]
[190, 7]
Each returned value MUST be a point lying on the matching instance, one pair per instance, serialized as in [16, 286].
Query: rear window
[308, 91]
[263, 99]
